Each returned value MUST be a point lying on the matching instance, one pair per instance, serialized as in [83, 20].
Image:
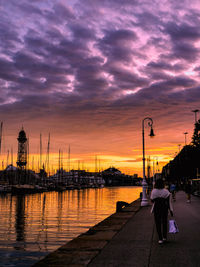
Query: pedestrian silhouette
[188, 191]
[161, 199]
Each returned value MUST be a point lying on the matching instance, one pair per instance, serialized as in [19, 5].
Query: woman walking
[161, 199]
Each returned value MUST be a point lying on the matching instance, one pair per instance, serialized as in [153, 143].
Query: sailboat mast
[96, 163]
[62, 160]
[79, 165]
[28, 153]
[69, 158]
[33, 163]
[1, 130]
[59, 165]
[12, 156]
[8, 157]
[48, 150]
[40, 151]
[47, 156]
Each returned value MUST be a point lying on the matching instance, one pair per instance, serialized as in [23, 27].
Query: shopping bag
[173, 228]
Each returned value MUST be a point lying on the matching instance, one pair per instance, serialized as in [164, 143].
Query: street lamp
[185, 138]
[195, 114]
[156, 160]
[155, 169]
[179, 148]
[144, 183]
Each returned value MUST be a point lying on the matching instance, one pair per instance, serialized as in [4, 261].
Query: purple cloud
[98, 59]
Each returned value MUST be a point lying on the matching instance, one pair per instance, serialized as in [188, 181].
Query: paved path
[137, 243]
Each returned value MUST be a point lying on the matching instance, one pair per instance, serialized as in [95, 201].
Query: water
[31, 226]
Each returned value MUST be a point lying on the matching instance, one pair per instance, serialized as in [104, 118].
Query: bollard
[120, 205]
[141, 196]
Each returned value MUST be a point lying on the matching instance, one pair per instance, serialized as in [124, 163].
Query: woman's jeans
[161, 223]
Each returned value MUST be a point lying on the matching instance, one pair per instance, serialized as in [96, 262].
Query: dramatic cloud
[97, 68]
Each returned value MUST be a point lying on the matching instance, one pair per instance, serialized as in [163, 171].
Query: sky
[88, 72]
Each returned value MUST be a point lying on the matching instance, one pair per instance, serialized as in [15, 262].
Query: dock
[129, 238]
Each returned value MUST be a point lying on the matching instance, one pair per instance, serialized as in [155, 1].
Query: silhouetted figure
[188, 191]
[173, 191]
[166, 185]
[161, 198]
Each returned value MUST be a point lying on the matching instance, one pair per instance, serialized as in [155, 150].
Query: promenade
[129, 238]
[137, 243]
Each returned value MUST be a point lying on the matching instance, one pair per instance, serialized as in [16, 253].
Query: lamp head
[151, 133]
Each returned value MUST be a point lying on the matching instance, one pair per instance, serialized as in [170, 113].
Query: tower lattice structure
[22, 150]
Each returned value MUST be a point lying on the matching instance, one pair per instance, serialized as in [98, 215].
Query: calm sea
[31, 226]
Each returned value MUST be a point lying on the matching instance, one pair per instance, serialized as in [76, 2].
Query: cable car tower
[22, 150]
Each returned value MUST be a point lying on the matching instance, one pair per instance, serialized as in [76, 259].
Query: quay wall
[81, 250]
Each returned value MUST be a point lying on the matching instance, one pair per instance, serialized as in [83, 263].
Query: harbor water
[31, 226]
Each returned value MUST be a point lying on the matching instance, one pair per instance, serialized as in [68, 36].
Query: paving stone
[67, 258]
[136, 203]
[98, 235]
[80, 244]
[115, 227]
[125, 215]
[130, 209]
[112, 221]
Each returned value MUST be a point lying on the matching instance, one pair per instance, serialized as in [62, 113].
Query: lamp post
[155, 169]
[185, 138]
[179, 148]
[156, 159]
[144, 183]
[195, 115]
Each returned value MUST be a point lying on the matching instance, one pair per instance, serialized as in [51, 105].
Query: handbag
[173, 228]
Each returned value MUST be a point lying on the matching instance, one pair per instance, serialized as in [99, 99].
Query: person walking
[173, 191]
[161, 199]
[188, 191]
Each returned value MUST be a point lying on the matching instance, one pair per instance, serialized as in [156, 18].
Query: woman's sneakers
[162, 241]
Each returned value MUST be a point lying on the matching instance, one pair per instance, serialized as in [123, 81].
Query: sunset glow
[88, 72]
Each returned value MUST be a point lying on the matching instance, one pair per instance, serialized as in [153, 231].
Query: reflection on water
[31, 226]
[20, 218]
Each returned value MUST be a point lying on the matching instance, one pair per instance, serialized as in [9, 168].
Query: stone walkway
[137, 243]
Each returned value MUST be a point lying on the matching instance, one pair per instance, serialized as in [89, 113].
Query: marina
[21, 179]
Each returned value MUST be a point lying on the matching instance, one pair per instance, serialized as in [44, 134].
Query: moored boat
[23, 189]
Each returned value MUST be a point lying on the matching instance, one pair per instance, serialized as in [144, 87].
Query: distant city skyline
[88, 72]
